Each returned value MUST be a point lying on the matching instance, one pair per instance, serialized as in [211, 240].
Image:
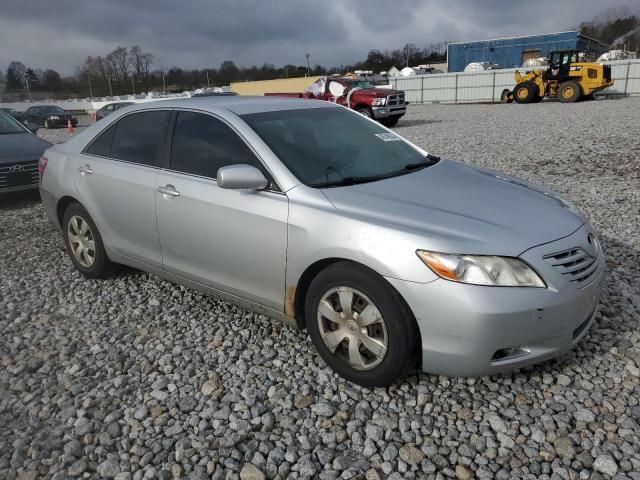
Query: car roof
[239, 105]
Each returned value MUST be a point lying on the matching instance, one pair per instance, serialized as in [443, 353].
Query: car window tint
[202, 144]
[138, 137]
[100, 146]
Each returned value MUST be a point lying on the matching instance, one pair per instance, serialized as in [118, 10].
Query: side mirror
[33, 128]
[241, 177]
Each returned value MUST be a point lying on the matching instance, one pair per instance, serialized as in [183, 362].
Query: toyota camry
[389, 256]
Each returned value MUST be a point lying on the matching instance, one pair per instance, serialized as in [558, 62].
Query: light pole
[90, 89]
[308, 69]
[207, 77]
[164, 85]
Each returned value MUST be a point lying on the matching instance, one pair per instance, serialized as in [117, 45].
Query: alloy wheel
[352, 327]
[81, 241]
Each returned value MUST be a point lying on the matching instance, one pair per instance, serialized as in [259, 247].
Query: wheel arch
[62, 205]
[362, 106]
[296, 295]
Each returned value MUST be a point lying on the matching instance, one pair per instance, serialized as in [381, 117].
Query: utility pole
[26, 78]
[207, 77]
[110, 89]
[133, 85]
[90, 89]
[308, 68]
[164, 85]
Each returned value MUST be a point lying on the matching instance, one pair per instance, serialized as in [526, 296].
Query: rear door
[116, 179]
[231, 240]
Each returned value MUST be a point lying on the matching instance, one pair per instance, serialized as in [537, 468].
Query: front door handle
[169, 190]
[85, 169]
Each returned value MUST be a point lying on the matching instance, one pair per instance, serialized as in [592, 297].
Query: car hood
[21, 145]
[462, 209]
[376, 92]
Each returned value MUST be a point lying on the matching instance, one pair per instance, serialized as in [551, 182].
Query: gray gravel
[136, 378]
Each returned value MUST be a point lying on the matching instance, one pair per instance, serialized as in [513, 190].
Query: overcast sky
[60, 34]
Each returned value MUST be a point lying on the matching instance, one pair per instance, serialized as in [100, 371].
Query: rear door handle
[169, 190]
[85, 169]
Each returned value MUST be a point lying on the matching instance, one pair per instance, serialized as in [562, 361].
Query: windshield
[332, 146]
[56, 110]
[9, 125]
[360, 84]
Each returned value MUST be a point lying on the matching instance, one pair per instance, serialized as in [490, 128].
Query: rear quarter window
[101, 144]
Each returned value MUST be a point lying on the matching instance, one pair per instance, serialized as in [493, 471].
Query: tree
[50, 80]
[16, 75]
[141, 63]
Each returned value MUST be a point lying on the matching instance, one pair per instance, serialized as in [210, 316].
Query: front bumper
[470, 330]
[386, 112]
[20, 188]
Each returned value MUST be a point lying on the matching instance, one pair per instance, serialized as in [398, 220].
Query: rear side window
[138, 137]
[202, 144]
[100, 146]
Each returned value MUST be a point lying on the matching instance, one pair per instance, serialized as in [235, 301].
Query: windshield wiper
[347, 181]
[426, 162]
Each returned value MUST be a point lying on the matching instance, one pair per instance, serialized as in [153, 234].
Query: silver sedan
[389, 256]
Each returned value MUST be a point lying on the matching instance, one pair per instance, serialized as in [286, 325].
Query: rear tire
[344, 341]
[524, 92]
[569, 92]
[84, 243]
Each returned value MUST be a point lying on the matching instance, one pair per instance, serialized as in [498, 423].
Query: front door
[232, 240]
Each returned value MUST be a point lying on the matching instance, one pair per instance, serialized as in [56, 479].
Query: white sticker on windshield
[388, 137]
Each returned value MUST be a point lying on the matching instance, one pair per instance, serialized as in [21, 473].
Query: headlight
[481, 269]
[379, 102]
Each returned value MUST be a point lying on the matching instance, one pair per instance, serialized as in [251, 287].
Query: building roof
[576, 32]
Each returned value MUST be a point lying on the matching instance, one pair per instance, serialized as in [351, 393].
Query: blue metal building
[513, 51]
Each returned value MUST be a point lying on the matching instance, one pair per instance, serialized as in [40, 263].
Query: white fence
[476, 87]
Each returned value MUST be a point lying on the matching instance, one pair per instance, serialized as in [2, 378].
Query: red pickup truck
[383, 104]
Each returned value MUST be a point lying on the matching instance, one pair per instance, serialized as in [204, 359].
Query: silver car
[315, 215]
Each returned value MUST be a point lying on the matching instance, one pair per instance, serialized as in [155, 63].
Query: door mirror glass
[241, 177]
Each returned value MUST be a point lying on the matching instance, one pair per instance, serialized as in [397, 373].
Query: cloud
[202, 33]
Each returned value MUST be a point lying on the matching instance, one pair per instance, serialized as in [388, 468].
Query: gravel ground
[136, 378]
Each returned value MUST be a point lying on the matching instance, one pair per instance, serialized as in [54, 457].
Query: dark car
[49, 116]
[14, 113]
[110, 108]
[20, 152]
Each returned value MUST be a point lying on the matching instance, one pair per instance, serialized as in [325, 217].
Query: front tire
[360, 325]
[390, 121]
[524, 92]
[506, 96]
[366, 111]
[84, 243]
[47, 124]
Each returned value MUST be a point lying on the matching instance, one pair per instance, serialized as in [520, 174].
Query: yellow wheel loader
[568, 78]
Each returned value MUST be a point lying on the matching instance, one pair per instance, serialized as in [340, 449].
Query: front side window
[329, 146]
[202, 144]
[138, 137]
